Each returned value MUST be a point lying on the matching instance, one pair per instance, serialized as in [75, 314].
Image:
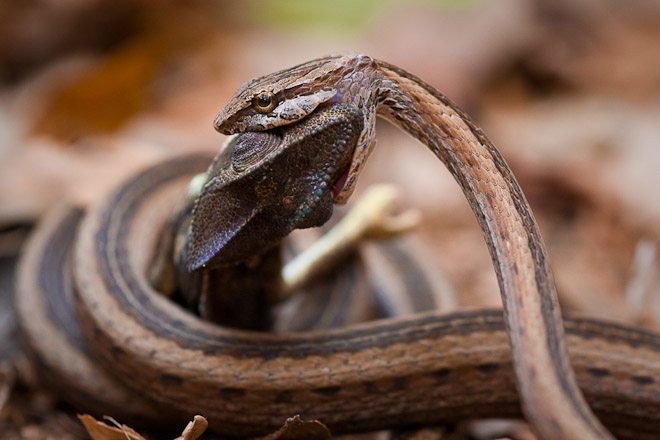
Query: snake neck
[515, 245]
[479, 169]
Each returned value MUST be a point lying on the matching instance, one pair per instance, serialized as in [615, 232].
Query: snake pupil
[264, 102]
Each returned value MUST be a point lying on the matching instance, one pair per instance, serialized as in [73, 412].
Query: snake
[427, 368]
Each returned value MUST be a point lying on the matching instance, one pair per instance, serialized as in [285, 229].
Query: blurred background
[92, 90]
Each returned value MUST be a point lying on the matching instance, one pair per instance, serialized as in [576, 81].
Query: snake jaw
[339, 185]
[288, 111]
[334, 75]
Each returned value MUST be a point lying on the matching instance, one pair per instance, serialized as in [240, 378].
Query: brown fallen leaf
[297, 429]
[102, 431]
[194, 429]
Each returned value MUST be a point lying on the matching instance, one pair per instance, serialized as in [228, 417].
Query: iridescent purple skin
[265, 184]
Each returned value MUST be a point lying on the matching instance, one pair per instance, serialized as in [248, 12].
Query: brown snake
[429, 368]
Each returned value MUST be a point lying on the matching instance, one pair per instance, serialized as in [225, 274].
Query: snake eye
[264, 102]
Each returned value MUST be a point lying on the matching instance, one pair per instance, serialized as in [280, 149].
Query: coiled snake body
[428, 368]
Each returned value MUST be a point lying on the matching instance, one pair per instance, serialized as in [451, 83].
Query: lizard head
[263, 185]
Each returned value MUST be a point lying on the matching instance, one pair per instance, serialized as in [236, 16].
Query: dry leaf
[100, 431]
[194, 429]
[297, 429]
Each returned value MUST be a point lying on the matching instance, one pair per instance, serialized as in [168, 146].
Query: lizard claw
[374, 216]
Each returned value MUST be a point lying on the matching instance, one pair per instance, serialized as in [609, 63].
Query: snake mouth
[339, 184]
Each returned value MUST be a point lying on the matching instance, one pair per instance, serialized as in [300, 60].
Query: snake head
[288, 96]
[281, 98]
[263, 185]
